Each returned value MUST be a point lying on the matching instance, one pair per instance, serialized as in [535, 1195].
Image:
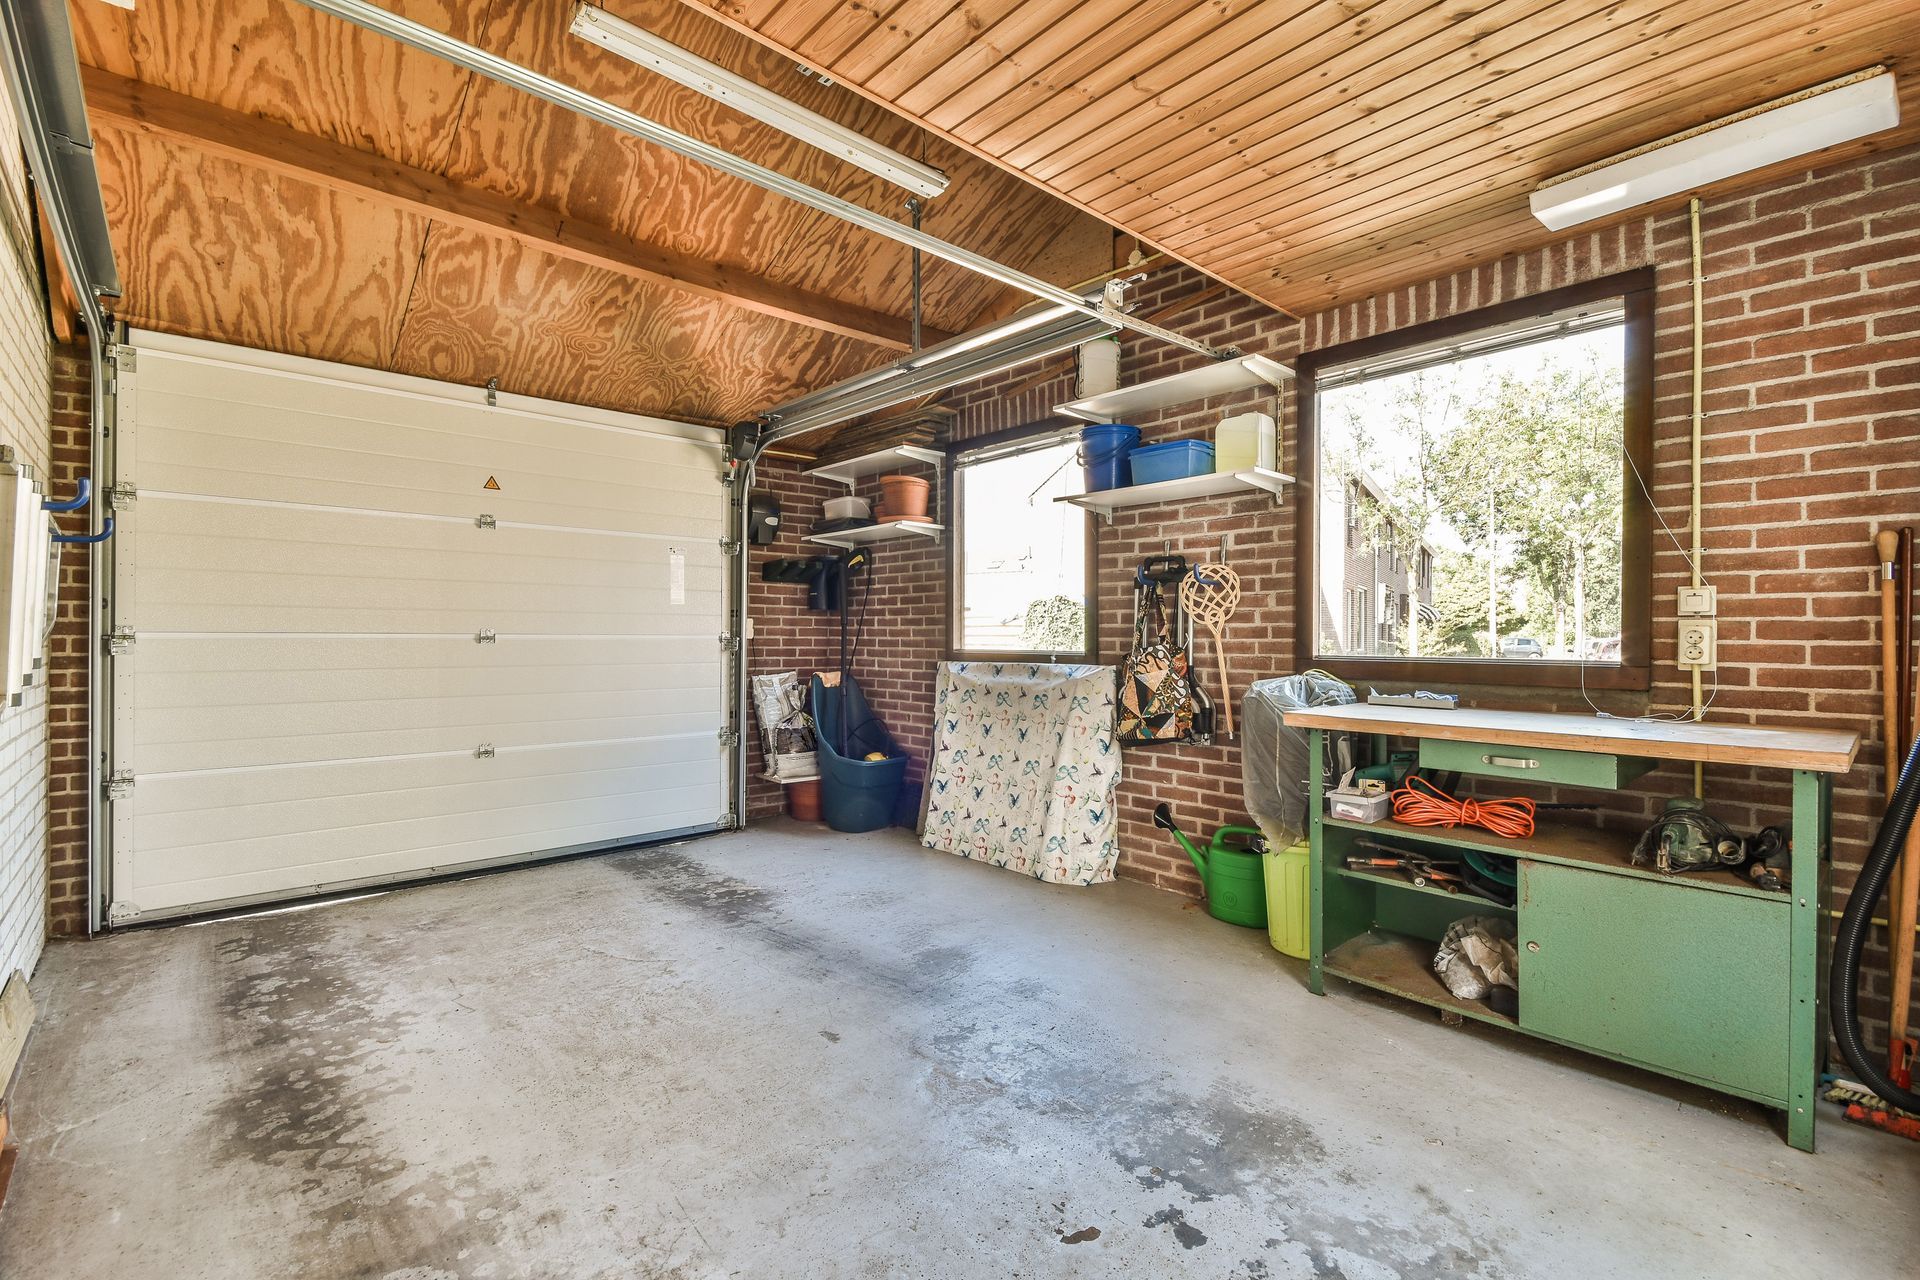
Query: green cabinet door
[1669, 976]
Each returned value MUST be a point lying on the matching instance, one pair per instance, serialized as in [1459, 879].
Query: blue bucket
[1103, 451]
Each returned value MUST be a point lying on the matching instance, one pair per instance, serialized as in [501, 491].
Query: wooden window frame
[955, 474]
[1635, 668]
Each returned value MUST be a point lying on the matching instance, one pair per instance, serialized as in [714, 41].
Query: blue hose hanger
[106, 531]
[82, 494]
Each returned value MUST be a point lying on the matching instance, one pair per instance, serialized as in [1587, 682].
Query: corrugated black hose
[1851, 938]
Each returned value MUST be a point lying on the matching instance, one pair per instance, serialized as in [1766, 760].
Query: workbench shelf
[1386, 881]
[1704, 977]
[1403, 966]
[1593, 848]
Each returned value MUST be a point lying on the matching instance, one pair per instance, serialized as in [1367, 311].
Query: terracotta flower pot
[803, 800]
[903, 498]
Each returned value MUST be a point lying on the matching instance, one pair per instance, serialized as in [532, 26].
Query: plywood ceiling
[277, 178]
[1309, 151]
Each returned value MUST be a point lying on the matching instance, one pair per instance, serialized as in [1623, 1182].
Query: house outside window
[1019, 560]
[1477, 480]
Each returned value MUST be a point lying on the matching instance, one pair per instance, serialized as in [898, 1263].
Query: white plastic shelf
[848, 471]
[1214, 484]
[1129, 403]
[884, 531]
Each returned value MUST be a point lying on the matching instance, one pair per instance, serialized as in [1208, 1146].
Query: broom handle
[1226, 690]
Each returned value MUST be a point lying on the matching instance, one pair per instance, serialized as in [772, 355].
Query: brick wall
[1812, 439]
[24, 391]
[69, 659]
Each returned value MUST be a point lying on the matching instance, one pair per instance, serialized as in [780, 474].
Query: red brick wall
[1812, 438]
[68, 659]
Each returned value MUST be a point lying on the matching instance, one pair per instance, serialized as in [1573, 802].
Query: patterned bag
[1155, 694]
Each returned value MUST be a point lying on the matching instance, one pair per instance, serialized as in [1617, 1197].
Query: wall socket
[1698, 637]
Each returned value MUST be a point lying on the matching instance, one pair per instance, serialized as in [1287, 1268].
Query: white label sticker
[676, 576]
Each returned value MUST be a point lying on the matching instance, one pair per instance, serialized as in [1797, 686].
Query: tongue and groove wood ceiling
[279, 179]
[1311, 151]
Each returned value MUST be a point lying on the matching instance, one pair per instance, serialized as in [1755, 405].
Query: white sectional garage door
[353, 661]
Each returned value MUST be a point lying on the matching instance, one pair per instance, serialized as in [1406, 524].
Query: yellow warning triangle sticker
[491, 483]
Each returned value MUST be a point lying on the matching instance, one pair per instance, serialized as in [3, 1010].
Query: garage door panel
[260, 804]
[574, 476]
[234, 703]
[419, 816]
[336, 676]
[218, 567]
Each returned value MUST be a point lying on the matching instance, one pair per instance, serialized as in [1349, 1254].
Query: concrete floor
[789, 1053]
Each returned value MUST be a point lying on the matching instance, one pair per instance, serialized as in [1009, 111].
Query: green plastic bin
[1288, 876]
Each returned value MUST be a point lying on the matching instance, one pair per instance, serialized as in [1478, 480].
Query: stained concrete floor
[789, 1053]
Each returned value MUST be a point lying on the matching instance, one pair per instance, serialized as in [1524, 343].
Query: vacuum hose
[1851, 937]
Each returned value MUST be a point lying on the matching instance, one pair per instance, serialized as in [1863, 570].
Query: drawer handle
[1511, 762]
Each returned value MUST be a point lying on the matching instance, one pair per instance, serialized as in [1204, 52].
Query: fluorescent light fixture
[648, 50]
[969, 357]
[1823, 116]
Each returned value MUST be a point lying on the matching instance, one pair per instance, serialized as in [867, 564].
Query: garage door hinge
[119, 784]
[122, 912]
[729, 738]
[126, 359]
[486, 522]
[122, 495]
[730, 642]
[118, 641]
[729, 546]
[485, 635]
[484, 751]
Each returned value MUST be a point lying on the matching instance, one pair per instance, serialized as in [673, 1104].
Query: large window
[1476, 511]
[1020, 557]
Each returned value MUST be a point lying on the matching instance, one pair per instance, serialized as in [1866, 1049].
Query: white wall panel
[341, 675]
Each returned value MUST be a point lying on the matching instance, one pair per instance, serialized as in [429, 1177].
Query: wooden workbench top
[1821, 750]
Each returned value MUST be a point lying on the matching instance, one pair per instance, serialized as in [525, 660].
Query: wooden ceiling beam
[114, 101]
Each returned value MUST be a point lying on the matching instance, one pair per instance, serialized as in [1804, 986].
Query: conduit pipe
[1699, 710]
[547, 89]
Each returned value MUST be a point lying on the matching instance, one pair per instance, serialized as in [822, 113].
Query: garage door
[371, 628]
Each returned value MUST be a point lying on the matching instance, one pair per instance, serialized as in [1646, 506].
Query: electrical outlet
[1697, 642]
[1698, 602]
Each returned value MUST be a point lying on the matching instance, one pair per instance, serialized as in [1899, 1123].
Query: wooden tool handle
[1887, 542]
[1226, 690]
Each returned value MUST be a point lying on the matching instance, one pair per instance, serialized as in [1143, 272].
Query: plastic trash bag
[1476, 955]
[1273, 758]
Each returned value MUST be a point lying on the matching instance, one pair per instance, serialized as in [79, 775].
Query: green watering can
[1230, 871]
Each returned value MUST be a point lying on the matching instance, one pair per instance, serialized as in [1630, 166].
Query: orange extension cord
[1419, 803]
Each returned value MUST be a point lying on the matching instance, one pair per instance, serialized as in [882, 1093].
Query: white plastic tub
[1245, 441]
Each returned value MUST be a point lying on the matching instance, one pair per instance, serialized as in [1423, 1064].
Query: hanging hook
[82, 494]
[106, 531]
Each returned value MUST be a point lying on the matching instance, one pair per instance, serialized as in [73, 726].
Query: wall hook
[82, 494]
[106, 531]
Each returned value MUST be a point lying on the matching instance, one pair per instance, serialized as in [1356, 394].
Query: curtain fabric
[1024, 769]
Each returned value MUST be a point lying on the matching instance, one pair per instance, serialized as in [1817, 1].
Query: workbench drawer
[1531, 764]
[1658, 974]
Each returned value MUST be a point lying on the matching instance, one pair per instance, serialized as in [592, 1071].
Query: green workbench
[1702, 976]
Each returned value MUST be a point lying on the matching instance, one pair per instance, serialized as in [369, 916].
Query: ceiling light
[1823, 116]
[648, 50]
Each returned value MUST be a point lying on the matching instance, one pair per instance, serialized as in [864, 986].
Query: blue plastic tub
[1103, 452]
[1173, 461]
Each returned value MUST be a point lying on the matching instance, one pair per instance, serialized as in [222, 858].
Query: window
[1020, 558]
[1479, 479]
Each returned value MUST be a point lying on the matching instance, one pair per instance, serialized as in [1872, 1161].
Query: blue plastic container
[1103, 452]
[1173, 461]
